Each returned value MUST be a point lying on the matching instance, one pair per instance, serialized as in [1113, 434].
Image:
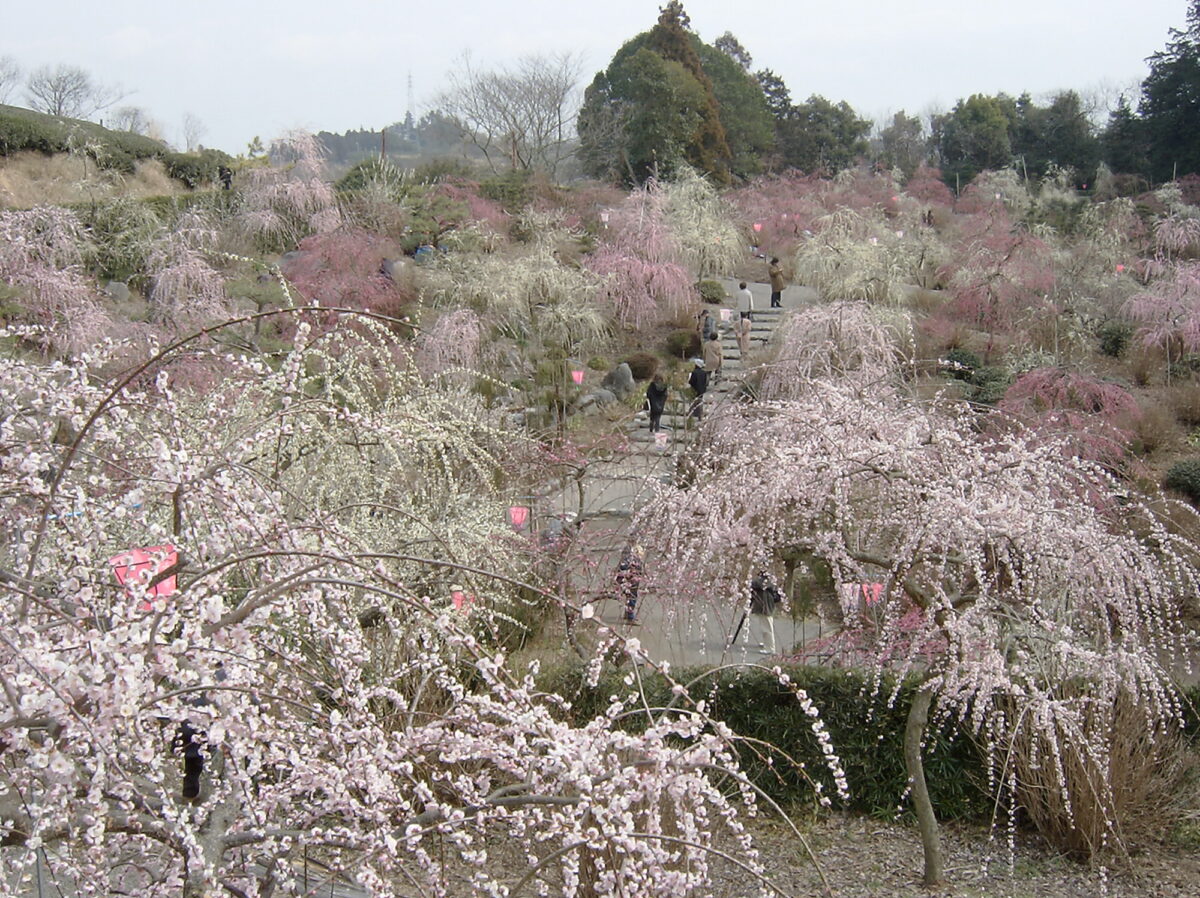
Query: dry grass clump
[1155, 429]
[30, 179]
[1127, 789]
[1184, 399]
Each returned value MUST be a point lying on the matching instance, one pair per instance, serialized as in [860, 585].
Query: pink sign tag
[139, 567]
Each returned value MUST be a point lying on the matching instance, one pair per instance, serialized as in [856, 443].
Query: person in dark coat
[656, 399]
[698, 381]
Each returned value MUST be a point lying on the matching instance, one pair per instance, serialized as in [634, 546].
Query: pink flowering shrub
[290, 199]
[639, 262]
[453, 343]
[1090, 418]
[479, 208]
[926, 186]
[185, 288]
[999, 274]
[343, 268]
[1168, 311]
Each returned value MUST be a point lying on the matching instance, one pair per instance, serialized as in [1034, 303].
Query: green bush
[1114, 337]
[122, 232]
[642, 364]
[988, 385]
[196, 169]
[511, 190]
[24, 129]
[867, 734]
[683, 343]
[963, 363]
[712, 292]
[1184, 477]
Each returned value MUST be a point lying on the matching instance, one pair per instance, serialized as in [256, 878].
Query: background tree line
[667, 98]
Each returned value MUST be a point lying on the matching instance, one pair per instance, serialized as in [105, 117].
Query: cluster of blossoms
[278, 674]
[1029, 590]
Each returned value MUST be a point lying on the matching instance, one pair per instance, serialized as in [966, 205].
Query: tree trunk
[918, 717]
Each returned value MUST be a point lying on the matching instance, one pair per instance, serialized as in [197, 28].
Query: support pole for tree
[914, 730]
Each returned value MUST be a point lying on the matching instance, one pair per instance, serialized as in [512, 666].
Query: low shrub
[988, 385]
[712, 292]
[1114, 337]
[866, 732]
[1154, 429]
[512, 191]
[962, 363]
[683, 343]
[196, 169]
[1184, 477]
[642, 364]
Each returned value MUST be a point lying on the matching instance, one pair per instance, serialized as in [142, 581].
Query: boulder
[117, 291]
[589, 403]
[619, 381]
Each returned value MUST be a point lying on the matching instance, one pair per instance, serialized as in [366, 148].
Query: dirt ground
[862, 857]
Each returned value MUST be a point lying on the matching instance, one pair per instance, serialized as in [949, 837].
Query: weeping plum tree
[288, 642]
[41, 255]
[1034, 597]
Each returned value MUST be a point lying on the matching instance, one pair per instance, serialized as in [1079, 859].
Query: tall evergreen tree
[672, 39]
[1124, 142]
[1170, 105]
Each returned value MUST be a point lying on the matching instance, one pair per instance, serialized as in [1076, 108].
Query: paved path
[614, 490]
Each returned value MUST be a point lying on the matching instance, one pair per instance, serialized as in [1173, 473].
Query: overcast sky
[259, 67]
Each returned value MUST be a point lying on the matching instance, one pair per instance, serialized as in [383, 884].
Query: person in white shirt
[746, 300]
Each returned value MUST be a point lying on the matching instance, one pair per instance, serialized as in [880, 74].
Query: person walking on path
[708, 327]
[656, 401]
[745, 301]
[741, 331]
[713, 358]
[775, 270]
[629, 579]
[698, 381]
[764, 598]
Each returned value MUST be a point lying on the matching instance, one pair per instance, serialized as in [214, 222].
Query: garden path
[682, 634]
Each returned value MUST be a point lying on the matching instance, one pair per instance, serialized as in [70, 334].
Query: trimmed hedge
[866, 733]
[196, 169]
[24, 129]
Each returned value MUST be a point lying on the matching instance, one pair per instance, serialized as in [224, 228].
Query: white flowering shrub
[1034, 595]
[285, 673]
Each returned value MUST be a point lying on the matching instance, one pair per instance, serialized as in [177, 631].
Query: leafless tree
[193, 131]
[131, 118]
[68, 90]
[10, 75]
[519, 117]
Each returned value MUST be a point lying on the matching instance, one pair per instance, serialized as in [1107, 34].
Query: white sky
[260, 67]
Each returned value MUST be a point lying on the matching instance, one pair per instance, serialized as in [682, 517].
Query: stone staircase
[675, 422]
